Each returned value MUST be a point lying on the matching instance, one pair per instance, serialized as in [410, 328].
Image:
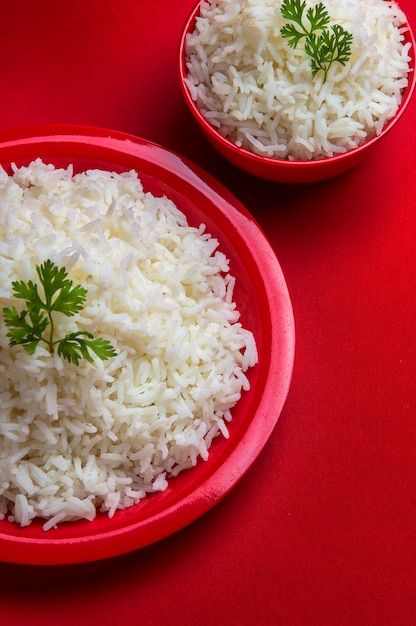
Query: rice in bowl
[259, 93]
[74, 439]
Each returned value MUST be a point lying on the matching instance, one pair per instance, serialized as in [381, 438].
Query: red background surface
[321, 530]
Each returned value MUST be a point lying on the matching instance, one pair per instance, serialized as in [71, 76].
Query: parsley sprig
[324, 46]
[36, 324]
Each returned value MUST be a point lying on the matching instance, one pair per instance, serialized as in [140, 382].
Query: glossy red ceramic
[262, 297]
[279, 170]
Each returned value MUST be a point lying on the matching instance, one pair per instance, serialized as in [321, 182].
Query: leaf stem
[51, 332]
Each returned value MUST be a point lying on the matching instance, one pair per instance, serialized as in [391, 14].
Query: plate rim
[78, 549]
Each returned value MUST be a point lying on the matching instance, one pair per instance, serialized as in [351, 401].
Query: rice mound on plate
[77, 438]
[259, 92]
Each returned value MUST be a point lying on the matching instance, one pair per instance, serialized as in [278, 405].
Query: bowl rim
[230, 146]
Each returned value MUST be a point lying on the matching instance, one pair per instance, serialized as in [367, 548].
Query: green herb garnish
[329, 46]
[36, 323]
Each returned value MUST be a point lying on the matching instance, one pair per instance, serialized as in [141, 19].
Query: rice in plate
[259, 93]
[78, 438]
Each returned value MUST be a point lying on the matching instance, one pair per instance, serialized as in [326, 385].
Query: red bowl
[279, 170]
[262, 298]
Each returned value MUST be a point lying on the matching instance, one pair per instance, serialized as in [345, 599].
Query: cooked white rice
[260, 93]
[77, 438]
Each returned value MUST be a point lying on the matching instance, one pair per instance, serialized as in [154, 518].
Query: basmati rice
[77, 438]
[259, 93]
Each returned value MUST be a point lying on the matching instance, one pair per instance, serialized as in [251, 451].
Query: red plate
[262, 298]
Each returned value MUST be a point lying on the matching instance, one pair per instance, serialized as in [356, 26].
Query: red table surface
[321, 530]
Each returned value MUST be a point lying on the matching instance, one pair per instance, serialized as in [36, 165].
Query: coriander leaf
[76, 345]
[27, 291]
[293, 10]
[19, 328]
[330, 46]
[339, 43]
[69, 300]
[313, 49]
[293, 36]
[28, 327]
[21, 332]
[70, 352]
[69, 348]
[102, 348]
[318, 17]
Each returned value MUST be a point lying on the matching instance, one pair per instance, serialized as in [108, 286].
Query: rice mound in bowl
[259, 93]
[75, 439]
